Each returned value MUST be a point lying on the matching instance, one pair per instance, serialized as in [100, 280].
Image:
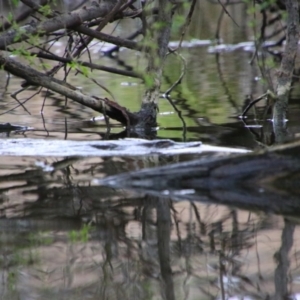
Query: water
[64, 237]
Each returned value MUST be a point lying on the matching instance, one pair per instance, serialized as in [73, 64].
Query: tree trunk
[286, 69]
[161, 37]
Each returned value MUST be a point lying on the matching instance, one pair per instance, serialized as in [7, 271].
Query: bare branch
[67, 20]
[87, 64]
[111, 109]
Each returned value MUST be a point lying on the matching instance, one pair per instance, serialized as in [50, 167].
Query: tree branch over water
[82, 26]
[63, 21]
[37, 78]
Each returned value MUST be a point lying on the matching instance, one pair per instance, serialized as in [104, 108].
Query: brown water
[64, 238]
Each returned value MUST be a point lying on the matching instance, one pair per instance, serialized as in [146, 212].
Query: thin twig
[252, 103]
[14, 96]
[224, 84]
[12, 109]
[188, 21]
[226, 11]
[183, 71]
[66, 129]
[179, 115]
[44, 124]
[44, 101]
[219, 26]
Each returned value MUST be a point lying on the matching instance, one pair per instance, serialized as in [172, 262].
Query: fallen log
[123, 147]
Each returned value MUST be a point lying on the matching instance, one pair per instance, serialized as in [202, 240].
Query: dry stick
[226, 11]
[188, 21]
[128, 38]
[54, 57]
[44, 125]
[183, 71]
[44, 101]
[89, 65]
[100, 85]
[106, 19]
[276, 32]
[109, 39]
[66, 129]
[86, 48]
[63, 21]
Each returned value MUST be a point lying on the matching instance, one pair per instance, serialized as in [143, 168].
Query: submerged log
[125, 147]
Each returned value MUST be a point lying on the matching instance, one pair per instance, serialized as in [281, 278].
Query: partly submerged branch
[105, 106]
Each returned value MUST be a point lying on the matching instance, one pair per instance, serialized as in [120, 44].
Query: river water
[63, 237]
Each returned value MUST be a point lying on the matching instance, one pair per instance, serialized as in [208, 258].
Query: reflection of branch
[224, 84]
[187, 22]
[219, 26]
[226, 11]
[280, 277]
[44, 123]
[179, 115]
[163, 238]
[183, 71]
[21, 103]
[221, 273]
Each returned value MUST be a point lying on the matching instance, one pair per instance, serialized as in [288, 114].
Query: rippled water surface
[64, 237]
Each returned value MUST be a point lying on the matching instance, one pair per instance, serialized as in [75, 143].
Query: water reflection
[65, 239]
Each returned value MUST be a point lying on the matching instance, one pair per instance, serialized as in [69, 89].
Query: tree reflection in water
[65, 239]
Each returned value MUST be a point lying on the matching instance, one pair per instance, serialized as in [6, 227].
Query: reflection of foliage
[80, 236]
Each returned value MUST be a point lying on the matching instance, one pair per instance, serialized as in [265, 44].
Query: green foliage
[45, 10]
[284, 15]
[79, 67]
[11, 280]
[158, 25]
[149, 80]
[10, 17]
[81, 235]
[15, 3]
[25, 54]
[178, 22]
